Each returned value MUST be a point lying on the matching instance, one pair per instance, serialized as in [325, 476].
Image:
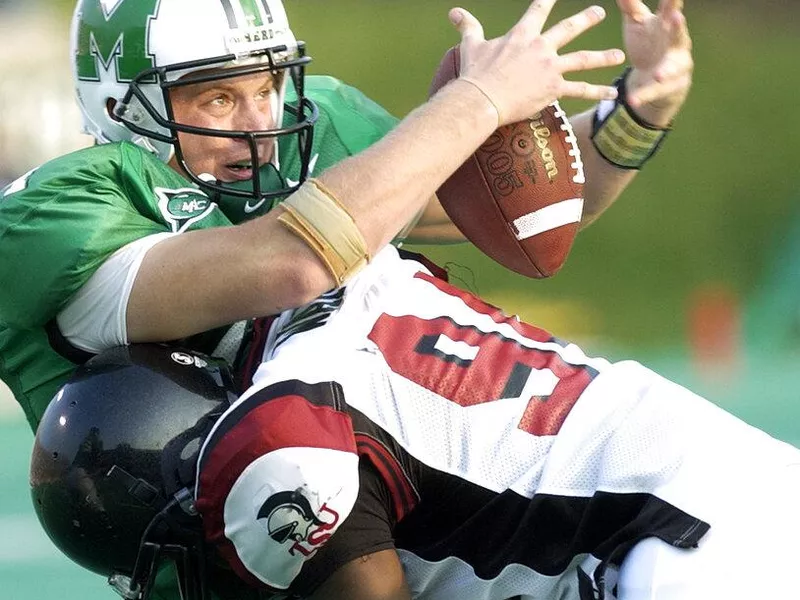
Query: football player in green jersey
[205, 121]
[209, 122]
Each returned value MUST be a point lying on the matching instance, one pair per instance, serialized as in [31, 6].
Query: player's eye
[218, 104]
[266, 92]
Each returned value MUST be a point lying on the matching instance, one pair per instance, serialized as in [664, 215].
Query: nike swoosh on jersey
[249, 209]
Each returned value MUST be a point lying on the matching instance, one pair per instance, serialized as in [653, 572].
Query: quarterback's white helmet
[134, 51]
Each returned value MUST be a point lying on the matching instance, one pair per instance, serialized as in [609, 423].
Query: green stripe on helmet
[255, 12]
[252, 13]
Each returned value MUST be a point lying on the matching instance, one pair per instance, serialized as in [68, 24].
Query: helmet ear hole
[111, 104]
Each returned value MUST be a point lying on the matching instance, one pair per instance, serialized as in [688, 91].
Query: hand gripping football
[519, 198]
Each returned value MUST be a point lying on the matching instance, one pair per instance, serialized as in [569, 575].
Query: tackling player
[406, 440]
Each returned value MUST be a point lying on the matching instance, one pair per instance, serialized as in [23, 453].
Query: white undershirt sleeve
[95, 318]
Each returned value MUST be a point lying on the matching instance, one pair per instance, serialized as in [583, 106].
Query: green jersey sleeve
[60, 222]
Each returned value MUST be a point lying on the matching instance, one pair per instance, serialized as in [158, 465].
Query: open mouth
[241, 170]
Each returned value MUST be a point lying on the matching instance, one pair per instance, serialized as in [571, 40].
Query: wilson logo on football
[291, 520]
[519, 197]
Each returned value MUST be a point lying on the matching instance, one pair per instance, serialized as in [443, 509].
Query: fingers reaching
[679, 31]
[522, 72]
[565, 31]
[536, 16]
[585, 60]
[635, 10]
[659, 48]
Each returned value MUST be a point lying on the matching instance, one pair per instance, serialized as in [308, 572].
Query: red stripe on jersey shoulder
[269, 420]
[404, 495]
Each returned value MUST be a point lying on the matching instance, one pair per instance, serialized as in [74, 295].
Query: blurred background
[695, 271]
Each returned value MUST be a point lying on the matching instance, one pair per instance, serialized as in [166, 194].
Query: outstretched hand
[660, 50]
[522, 72]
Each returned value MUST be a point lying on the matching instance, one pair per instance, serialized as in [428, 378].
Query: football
[519, 198]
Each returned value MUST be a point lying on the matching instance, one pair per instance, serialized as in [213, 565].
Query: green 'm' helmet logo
[109, 31]
[118, 30]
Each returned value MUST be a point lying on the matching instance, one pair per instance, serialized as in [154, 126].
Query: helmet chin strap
[191, 567]
[138, 488]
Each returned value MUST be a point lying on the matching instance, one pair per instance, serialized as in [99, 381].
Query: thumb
[468, 26]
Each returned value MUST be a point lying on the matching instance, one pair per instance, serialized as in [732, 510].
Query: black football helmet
[113, 466]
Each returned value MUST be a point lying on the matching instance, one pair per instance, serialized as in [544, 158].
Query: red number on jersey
[469, 366]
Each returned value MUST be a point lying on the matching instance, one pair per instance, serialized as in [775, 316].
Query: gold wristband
[314, 215]
[622, 138]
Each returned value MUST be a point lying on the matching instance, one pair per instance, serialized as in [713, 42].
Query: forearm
[204, 279]
[387, 185]
[604, 181]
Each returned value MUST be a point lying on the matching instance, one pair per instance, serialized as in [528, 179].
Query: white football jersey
[515, 465]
